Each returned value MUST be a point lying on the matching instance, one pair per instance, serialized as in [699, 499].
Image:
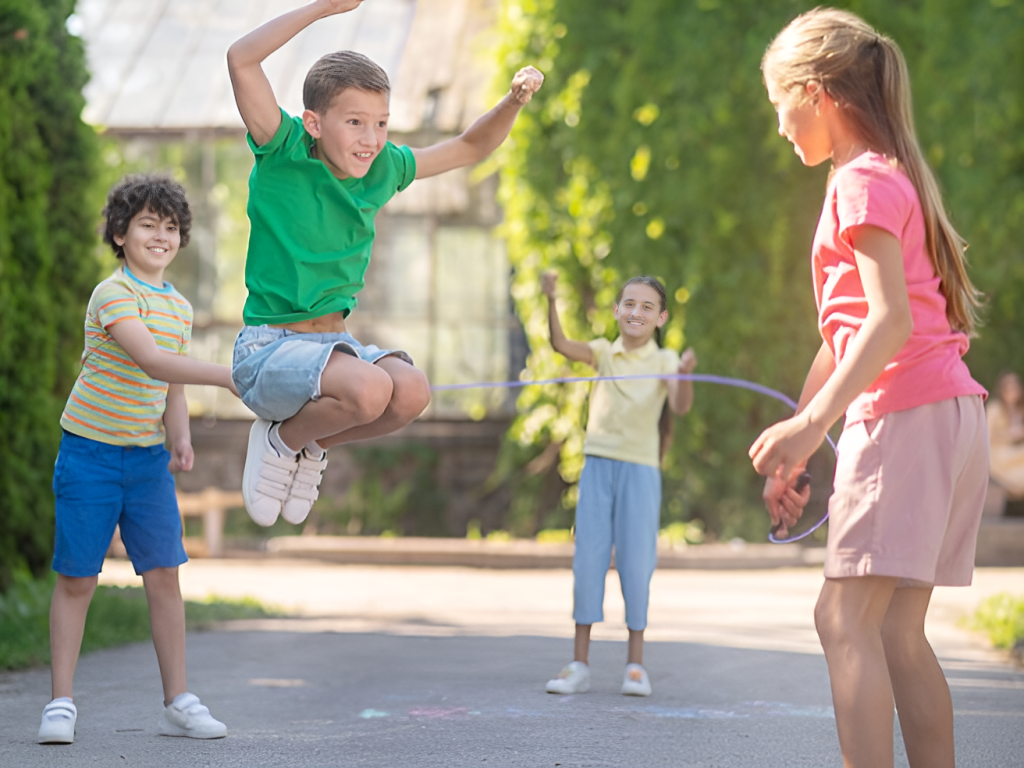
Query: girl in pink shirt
[896, 309]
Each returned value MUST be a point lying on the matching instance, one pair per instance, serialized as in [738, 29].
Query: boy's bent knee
[411, 395]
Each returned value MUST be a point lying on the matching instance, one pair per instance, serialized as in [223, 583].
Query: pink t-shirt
[869, 190]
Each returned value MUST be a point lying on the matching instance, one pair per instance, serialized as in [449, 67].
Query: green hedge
[652, 148]
[47, 235]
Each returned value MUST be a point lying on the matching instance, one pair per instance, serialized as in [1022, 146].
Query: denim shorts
[277, 371]
[99, 486]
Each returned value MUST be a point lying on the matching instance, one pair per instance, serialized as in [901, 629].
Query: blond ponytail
[866, 73]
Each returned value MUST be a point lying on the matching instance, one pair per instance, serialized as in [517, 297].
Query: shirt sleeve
[405, 165]
[113, 302]
[599, 347]
[872, 196]
[288, 124]
[669, 360]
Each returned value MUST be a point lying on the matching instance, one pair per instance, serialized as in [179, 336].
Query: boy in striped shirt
[113, 468]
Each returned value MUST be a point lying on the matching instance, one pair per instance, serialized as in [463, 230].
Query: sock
[314, 451]
[278, 444]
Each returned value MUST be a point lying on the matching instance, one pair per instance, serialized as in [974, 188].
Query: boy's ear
[311, 122]
[119, 239]
[662, 318]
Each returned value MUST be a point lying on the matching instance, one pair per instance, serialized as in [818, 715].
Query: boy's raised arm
[253, 94]
[483, 136]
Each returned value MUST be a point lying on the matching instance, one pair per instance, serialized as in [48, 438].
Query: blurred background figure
[1006, 442]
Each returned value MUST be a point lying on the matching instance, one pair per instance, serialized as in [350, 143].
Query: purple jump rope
[698, 377]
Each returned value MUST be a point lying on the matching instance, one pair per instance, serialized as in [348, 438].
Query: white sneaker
[635, 682]
[267, 477]
[186, 716]
[58, 725]
[304, 490]
[575, 678]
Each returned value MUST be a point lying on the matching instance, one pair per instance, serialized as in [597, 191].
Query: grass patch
[117, 615]
[1001, 617]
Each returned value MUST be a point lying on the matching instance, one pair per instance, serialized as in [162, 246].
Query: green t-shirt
[311, 233]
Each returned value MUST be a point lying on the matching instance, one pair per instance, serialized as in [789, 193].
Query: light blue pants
[619, 505]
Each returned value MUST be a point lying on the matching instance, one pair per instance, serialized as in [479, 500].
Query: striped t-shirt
[113, 400]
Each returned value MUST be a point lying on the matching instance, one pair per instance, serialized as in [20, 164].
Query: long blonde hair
[865, 73]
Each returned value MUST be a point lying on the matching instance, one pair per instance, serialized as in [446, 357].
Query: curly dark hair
[138, 192]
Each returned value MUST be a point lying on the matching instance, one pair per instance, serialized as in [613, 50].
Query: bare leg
[353, 393]
[581, 645]
[167, 621]
[636, 647]
[410, 395]
[71, 598]
[922, 695]
[849, 617]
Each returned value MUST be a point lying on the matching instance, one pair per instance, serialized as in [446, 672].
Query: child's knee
[77, 587]
[412, 397]
[161, 580]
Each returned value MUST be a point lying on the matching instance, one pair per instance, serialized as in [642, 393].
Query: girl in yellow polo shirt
[620, 489]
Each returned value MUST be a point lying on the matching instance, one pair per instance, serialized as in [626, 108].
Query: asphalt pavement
[419, 666]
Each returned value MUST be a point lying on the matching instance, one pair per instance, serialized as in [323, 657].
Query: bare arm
[680, 393]
[135, 339]
[483, 136]
[179, 435]
[782, 449]
[253, 94]
[579, 351]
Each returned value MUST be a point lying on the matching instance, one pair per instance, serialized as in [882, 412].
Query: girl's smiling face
[149, 245]
[639, 313]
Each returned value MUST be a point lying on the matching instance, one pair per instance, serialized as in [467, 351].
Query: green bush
[1001, 617]
[653, 149]
[117, 615]
[47, 215]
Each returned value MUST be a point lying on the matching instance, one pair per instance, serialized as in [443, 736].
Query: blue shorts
[99, 486]
[619, 506]
[278, 371]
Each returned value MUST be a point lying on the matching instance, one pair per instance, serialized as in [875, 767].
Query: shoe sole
[170, 729]
[55, 740]
[257, 436]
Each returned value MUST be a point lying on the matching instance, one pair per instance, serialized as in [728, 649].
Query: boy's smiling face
[639, 313]
[150, 244]
[351, 133]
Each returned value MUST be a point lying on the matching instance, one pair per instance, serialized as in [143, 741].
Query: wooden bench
[211, 505]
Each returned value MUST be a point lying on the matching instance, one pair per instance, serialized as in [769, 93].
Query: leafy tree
[47, 223]
[652, 149]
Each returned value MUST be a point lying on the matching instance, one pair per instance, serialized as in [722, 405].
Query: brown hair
[865, 73]
[335, 72]
[138, 192]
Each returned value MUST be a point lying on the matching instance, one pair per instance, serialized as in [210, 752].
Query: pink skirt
[909, 490]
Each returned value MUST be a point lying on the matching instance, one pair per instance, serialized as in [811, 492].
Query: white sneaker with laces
[267, 477]
[635, 682]
[574, 678]
[58, 725]
[304, 490]
[186, 716]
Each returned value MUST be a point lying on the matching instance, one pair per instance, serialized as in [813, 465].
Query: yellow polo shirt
[623, 416]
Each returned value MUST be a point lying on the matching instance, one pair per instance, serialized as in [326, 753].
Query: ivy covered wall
[652, 149]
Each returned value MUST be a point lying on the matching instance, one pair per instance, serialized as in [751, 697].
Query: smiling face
[801, 121]
[639, 313]
[149, 245]
[351, 133]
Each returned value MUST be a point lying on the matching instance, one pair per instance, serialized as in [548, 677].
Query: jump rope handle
[802, 481]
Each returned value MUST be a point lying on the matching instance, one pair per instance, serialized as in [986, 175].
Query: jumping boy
[113, 468]
[318, 182]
